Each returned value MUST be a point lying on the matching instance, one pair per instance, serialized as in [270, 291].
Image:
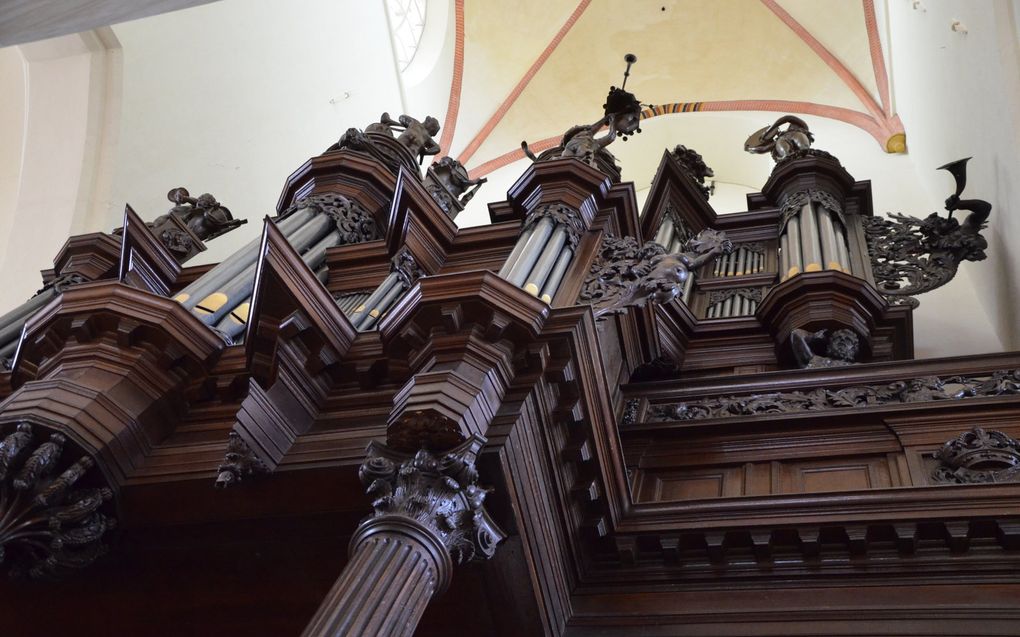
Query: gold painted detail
[360, 308]
[897, 143]
[211, 303]
[182, 297]
[834, 266]
[240, 313]
[813, 267]
[546, 298]
[794, 270]
[374, 313]
[531, 289]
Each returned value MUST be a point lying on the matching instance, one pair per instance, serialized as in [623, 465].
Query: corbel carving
[751, 294]
[239, 462]
[978, 456]
[49, 524]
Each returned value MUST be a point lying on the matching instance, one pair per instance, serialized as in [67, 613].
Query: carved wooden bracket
[50, 522]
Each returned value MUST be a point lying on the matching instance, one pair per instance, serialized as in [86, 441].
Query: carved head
[206, 201]
[709, 240]
[844, 345]
[431, 125]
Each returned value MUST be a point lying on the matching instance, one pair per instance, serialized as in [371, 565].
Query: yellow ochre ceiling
[533, 68]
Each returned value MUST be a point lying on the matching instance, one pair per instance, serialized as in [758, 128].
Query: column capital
[438, 493]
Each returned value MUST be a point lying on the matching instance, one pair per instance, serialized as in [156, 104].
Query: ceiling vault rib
[453, 107]
[830, 60]
[483, 134]
[877, 56]
[510, 157]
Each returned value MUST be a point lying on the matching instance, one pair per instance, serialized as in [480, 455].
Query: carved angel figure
[825, 349]
[627, 275]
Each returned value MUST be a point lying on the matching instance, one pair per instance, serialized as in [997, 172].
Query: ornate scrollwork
[356, 225]
[751, 294]
[694, 166]
[561, 215]
[796, 201]
[48, 524]
[626, 274]
[911, 256]
[440, 491]
[978, 456]
[239, 462]
[680, 228]
[932, 388]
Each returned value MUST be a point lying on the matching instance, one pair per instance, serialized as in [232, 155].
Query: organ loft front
[583, 418]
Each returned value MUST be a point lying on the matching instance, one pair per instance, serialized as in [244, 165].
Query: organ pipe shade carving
[544, 250]
[812, 234]
[222, 297]
[404, 273]
[733, 302]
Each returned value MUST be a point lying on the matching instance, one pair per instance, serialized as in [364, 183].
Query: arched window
[407, 22]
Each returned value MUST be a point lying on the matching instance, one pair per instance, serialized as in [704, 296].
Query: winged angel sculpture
[626, 274]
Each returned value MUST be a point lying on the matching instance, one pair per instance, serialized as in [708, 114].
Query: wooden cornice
[416, 222]
[284, 284]
[145, 262]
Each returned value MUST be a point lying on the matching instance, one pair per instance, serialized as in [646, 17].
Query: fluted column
[428, 515]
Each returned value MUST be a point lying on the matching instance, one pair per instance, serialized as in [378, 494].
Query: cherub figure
[415, 136]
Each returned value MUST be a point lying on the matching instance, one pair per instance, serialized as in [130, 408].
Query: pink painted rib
[877, 58]
[881, 131]
[509, 158]
[826, 56]
[453, 107]
[487, 129]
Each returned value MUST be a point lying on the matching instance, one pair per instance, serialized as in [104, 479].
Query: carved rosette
[561, 215]
[239, 462]
[356, 225]
[49, 522]
[423, 430]
[978, 456]
[793, 204]
[436, 490]
[407, 268]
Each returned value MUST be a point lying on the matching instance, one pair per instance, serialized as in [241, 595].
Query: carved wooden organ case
[660, 469]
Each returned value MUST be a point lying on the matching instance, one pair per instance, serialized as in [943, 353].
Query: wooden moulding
[831, 299]
[146, 263]
[93, 256]
[114, 367]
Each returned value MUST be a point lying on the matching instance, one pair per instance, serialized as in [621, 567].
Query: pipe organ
[764, 457]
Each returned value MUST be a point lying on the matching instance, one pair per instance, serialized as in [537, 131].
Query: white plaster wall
[61, 135]
[12, 130]
[958, 94]
[231, 97]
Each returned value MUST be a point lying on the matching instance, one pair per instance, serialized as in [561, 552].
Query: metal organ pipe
[372, 303]
[387, 300]
[515, 254]
[841, 245]
[793, 242]
[664, 237]
[532, 250]
[546, 260]
[552, 284]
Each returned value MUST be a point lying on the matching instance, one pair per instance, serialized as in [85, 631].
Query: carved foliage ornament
[751, 294]
[239, 462]
[439, 490]
[355, 224]
[680, 227]
[978, 456]
[626, 274]
[932, 388]
[911, 256]
[407, 268]
[796, 202]
[48, 524]
[560, 215]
